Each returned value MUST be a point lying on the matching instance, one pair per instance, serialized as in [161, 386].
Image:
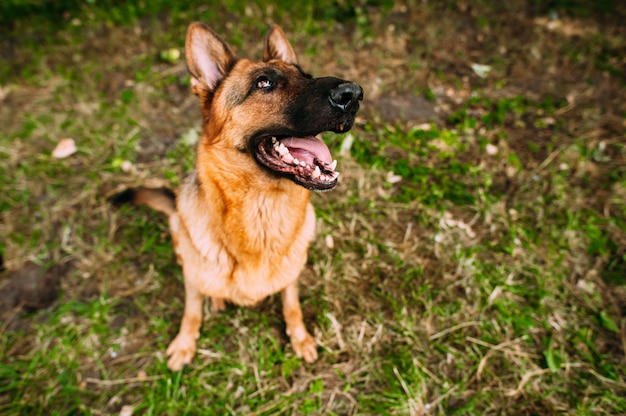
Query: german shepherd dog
[241, 222]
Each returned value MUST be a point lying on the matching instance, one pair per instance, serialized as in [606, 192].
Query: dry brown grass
[506, 298]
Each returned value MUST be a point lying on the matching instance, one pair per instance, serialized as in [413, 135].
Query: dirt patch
[404, 108]
[30, 288]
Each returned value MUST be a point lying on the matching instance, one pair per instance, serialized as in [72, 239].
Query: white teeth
[302, 166]
[287, 158]
[282, 149]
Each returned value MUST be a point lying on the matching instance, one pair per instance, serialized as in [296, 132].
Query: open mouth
[305, 160]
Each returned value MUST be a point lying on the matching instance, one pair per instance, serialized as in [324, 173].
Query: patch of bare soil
[28, 289]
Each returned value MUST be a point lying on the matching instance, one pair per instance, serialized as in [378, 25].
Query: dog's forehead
[246, 69]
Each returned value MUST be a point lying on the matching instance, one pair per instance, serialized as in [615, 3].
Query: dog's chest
[247, 256]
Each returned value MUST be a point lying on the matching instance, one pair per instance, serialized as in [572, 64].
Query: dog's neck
[214, 167]
[262, 212]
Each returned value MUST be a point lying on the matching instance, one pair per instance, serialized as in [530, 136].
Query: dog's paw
[180, 352]
[305, 348]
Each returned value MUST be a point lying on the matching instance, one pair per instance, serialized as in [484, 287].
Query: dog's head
[270, 110]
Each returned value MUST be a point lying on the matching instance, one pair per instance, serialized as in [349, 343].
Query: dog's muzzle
[346, 97]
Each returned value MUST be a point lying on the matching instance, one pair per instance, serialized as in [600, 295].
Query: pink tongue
[305, 148]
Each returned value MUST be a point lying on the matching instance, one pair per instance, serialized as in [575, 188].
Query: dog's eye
[263, 83]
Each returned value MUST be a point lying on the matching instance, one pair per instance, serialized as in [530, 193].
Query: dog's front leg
[183, 347]
[302, 342]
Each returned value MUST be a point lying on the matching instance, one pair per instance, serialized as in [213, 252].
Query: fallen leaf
[127, 166]
[481, 70]
[491, 149]
[127, 410]
[170, 55]
[190, 137]
[64, 148]
[346, 145]
[424, 127]
[392, 177]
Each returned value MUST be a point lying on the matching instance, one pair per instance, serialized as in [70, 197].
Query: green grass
[476, 265]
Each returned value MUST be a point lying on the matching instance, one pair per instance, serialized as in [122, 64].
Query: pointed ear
[209, 58]
[277, 46]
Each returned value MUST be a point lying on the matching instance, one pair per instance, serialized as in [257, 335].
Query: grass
[470, 265]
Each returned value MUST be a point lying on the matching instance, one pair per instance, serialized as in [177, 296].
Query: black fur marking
[124, 197]
[128, 195]
[168, 193]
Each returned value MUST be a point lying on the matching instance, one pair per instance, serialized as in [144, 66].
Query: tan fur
[240, 232]
[241, 253]
[155, 199]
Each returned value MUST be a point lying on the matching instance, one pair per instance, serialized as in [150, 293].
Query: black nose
[346, 96]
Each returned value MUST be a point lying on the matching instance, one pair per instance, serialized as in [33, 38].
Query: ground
[471, 261]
